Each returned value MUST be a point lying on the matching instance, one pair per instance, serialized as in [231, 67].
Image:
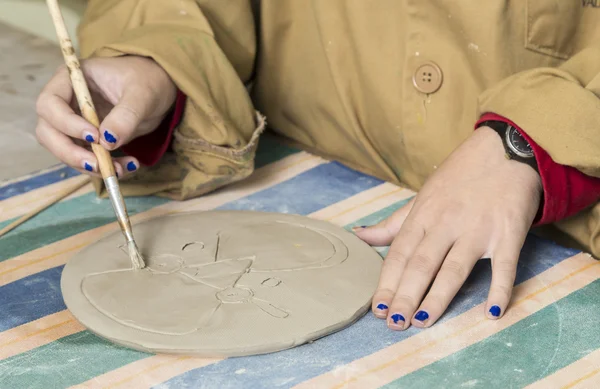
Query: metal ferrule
[118, 203]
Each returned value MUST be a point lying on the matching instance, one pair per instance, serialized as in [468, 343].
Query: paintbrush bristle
[134, 255]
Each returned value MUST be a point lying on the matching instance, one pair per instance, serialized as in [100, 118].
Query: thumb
[383, 233]
[122, 122]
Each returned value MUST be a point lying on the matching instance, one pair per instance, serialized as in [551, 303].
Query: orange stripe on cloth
[59, 252]
[352, 209]
[584, 373]
[471, 327]
[146, 372]
[37, 333]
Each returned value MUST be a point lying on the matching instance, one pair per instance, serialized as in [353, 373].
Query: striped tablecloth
[550, 336]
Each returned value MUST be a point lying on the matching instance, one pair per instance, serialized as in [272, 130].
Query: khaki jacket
[387, 87]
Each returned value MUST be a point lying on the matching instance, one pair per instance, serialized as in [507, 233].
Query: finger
[128, 165]
[382, 234]
[452, 275]
[393, 266]
[504, 271]
[54, 106]
[118, 170]
[64, 149]
[416, 278]
[121, 122]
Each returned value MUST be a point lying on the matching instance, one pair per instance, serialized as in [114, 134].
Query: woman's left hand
[478, 204]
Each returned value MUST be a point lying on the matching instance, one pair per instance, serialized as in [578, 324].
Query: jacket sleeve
[558, 107]
[207, 47]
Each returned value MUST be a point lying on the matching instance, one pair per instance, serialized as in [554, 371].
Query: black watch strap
[507, 133]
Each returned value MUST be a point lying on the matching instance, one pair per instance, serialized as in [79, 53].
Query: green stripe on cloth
[82, 356]
[68, 361]
[270, 150]
[528, 351]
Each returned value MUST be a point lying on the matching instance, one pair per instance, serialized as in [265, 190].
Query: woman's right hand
[132, 96]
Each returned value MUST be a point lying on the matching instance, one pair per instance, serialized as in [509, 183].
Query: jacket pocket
[551, 26]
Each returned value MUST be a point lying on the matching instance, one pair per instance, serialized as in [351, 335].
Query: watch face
[518, 144]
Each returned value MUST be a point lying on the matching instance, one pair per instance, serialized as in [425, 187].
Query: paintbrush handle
[82, 93]
[84, 99]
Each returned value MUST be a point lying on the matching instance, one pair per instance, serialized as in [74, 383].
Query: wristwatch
[515, 145]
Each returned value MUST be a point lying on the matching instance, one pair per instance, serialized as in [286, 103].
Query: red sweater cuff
[150, 148]
[566, 189]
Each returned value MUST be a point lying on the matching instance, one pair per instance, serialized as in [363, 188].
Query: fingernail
[396, 317]
[382, 307]
[495, 311]
[88, 167]
[131, 166]
[421, 316]
[358, 228]
[110, 138]
[89, 138]
[396, 322]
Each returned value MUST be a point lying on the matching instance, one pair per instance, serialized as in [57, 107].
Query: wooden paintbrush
[88, 111]
[59, 195]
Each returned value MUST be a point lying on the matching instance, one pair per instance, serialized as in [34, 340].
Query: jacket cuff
[558, 106]
[150, 148]
[566, 189]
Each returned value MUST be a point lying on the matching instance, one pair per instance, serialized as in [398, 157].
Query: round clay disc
[223, 283]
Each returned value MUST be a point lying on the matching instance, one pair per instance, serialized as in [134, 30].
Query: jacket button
[428, 78]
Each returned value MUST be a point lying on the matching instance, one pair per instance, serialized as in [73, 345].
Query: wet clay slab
[223, 283]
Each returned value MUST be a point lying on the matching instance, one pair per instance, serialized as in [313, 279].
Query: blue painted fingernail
[110, 138]
[131, 166]
[88, 167]
[421, 316]
[396, 317]
[382, 307]
[495, 311]
[89, 138]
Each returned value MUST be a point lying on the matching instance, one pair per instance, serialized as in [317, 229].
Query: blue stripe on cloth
[291, 367]
[312, 190]
[36, 182]
[308, 192]
[31, 298]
